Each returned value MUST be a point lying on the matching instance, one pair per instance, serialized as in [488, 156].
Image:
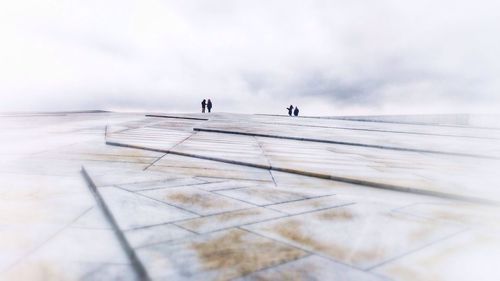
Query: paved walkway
[107, 196]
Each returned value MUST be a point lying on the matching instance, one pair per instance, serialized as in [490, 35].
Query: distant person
[296, 111]
[290, 110]
[203, 105]
[209, 105]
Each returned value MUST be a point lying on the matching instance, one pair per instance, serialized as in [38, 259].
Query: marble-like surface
[471, 255]
[451, 174]
[207, 215]
[50, 225]
[229, 219]
[437, 141]
[356, 234]
[195, 200]
[217, 256]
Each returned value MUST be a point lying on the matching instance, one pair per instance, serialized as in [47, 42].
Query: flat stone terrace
[116, 196]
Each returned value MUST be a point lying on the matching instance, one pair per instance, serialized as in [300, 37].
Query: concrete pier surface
[153, 196]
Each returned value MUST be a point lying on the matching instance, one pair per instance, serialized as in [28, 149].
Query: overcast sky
[328, 57]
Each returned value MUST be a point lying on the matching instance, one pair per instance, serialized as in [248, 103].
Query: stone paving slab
[155, 234]
[211, 169]
[218, 256]
[354, 234]
[466, 214]
[408, 128]
[229, 219]
[435, 143]
[160, 184]
[311, 268]
[196, 200]
[308, 205]
[397, 170]
[133, 211]
[225, 185]
[92, 219]
[126, 175]
[264, 195]
[468, 256]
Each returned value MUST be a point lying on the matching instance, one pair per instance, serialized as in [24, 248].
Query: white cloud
[330, 57]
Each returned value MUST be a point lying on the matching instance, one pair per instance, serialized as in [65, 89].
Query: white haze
[328, 57]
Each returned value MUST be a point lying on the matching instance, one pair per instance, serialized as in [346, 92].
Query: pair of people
[293, 111]
[206, 104]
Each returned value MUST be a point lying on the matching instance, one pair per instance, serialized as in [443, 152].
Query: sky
[328, 57]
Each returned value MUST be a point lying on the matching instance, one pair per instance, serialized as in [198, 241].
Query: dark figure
[290, 110]
[203, 105]
[296, 111]
[209, 105]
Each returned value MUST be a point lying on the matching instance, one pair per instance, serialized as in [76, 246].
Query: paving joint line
[284, 216]
[275, 265]
[202, 178]
[157, 200]
[168, 187]
[377, 130]
[344, 143]
[305, 250]
[382, 121]
[272, 177]
[174, 222]
[437, 220]
[37, 247]
[430, 244]
[158, 159]
[224, 189]
[326, 176]
[182, 227]
[264, 155]
[138, 182]
[232, 198]
[302, 199]
[136, 264]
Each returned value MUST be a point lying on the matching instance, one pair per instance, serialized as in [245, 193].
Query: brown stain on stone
[292, 230]
[206, 172]
[422, 233]
[237, 215]
[193, 199]
[340, 214]
[123, 155]
[272, 194]
[196, 224]
[236, 253]
[450, 216]
[315, 204]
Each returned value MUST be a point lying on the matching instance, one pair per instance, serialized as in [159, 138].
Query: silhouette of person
[203, 104]
[290, 110]
[209, 105]
[296, 111]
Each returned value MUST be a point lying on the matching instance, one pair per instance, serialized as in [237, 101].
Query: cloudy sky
[327, 56]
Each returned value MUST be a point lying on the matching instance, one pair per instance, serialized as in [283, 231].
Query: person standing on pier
[296, 111]
[203, 105]
[209, 105]
[290, 110]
